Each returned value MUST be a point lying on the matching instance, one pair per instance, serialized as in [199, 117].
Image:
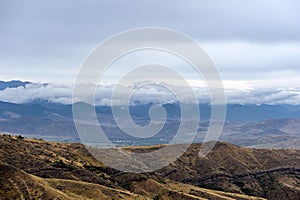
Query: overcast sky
[253, 43]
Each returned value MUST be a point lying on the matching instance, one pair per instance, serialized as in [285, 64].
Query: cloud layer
[47, 40]
[63, 94]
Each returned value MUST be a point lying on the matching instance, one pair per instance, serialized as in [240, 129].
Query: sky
[255, 44]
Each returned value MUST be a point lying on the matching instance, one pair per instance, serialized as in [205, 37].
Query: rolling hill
[32, 168]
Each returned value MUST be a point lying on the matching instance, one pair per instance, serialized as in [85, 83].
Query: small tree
[20, 137]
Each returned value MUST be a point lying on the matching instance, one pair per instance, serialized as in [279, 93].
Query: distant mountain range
[12, 84]
[247, 125]
[235, 113]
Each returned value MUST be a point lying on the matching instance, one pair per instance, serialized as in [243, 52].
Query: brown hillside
[259, 172]
[68, 171]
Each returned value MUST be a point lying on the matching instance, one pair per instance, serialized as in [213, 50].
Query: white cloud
[63, 94]
[37, 91]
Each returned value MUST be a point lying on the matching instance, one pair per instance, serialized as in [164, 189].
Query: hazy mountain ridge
[54, 122]
[247, 125]
[12, 84]
[272, 133]
[235, 112]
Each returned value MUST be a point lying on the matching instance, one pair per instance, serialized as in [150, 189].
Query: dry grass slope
[36, 169]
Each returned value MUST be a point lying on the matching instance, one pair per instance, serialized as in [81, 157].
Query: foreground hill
[34, 169]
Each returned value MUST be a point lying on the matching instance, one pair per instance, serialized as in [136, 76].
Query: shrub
[59, 164]
[247, 191]
[20, 137]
